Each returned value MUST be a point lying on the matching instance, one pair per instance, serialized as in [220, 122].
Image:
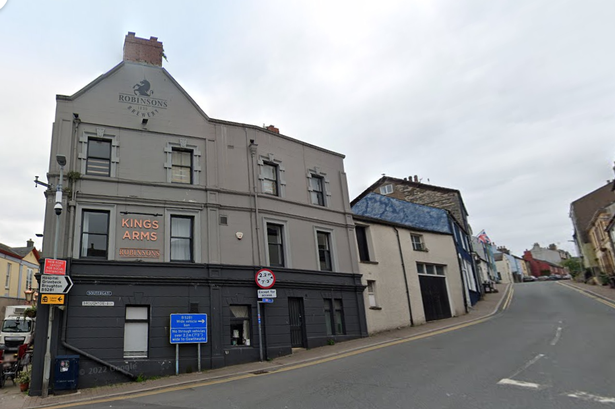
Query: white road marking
[530, 363]
[521, 384]
[591, 398]
[558, 334]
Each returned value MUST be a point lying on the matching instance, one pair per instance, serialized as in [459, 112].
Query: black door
[297, 327]
[435, 297]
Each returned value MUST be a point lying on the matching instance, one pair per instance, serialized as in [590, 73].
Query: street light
[29, 293]
[61, 159]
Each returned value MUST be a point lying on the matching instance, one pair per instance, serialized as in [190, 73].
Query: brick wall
[141, 50]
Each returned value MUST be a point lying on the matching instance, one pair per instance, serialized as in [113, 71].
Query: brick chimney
[141, 50]
[273, 129]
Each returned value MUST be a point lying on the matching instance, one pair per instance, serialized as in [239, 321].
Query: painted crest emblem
[143, 88]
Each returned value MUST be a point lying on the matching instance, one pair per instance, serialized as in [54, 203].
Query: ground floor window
[334, 316]
[240, 325]
[136, 331]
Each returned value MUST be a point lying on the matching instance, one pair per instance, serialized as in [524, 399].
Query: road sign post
[188, 329]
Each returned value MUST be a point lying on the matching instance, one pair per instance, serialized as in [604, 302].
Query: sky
[510, 101]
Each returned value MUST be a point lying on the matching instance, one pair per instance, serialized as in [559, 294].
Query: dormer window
[386, 189]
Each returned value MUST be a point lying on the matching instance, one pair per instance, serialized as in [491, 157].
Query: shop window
[182, 228]
[136, 331]
[94, 234]
[240, 325]
[334, 316]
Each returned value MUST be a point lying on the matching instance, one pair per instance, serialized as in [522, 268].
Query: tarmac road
[552, 348]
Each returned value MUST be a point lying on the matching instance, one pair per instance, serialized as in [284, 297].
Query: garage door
[435, 297]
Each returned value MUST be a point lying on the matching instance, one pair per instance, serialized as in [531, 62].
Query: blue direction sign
[188, 328]
[267, 300]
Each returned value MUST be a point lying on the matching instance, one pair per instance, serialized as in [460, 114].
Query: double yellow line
[601, 300]
[509, 298]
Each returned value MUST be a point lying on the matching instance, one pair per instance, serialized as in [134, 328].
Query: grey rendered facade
[170, 211]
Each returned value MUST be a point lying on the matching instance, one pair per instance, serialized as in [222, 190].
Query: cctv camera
[58, 208]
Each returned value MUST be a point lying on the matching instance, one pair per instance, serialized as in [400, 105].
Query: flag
[483, 238]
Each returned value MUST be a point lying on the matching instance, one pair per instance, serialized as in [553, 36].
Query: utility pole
[58, 210]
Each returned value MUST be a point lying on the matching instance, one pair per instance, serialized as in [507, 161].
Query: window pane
[430, 269]
[180, 175]
[98, 167]
[94, 245]
[136, 313]
[270, 187]
[269, 172]
[135, 339]
[274, 234]
[339, 323]
[324, 252]
[420, 268]
[96, 222]
[182, 158]
[328, 322]
[181, 227]
[181, 249]
[440, 270]
[99, 149]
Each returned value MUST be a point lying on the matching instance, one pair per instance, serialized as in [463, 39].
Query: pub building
[168, 211]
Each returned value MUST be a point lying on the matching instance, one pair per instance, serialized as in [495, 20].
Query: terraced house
[172, 212]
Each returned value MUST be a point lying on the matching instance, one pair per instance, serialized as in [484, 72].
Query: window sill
[375, 308]
[369, 262]
[423, 250]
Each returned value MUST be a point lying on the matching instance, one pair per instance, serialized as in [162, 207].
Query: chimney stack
[273, 129]
[141, 50]
[30, 243]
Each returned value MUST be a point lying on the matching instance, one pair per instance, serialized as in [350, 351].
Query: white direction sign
[267, 294]
[54, 284]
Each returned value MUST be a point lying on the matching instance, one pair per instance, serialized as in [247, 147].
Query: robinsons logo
[141, 102]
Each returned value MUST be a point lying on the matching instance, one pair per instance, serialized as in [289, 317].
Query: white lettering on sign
[267, 293]
[97, 303]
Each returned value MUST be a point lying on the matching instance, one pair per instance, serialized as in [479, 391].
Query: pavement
[12, 398]
[605, 292]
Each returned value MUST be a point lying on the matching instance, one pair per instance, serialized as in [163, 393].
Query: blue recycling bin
[66, 373]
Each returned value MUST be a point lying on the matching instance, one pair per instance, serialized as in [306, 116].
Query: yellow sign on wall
[53, 298]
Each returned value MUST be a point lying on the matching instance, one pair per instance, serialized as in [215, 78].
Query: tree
[574, 265]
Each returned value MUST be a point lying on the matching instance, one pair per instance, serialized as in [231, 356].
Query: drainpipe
[463, 282]
[253, 146]
[403, 268]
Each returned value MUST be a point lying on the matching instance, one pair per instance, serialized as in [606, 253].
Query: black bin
[66, 373]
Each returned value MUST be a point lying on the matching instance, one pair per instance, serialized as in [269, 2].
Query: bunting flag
[483, 238]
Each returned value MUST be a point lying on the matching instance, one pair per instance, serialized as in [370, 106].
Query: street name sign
[267, 293]
[188, 328]
[55, 284]
[53, 299]
[53, 266]
[267, 300]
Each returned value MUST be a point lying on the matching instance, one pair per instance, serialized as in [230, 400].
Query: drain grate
[261, 372]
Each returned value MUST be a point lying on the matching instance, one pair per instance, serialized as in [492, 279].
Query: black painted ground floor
[117, 317]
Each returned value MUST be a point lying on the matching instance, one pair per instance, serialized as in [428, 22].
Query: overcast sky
[510, 102]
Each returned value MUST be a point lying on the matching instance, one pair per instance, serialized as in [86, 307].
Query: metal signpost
[188, 329]
[265, 279]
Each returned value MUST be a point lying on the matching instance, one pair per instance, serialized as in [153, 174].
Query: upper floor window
[362, 243]
[7, 283]
[181, 166]
[430, 269]
[182, 238]
[270, 178]
[386, 189]
[95, 234]
[417, 242]
[275, 244]
[317, 184]
[98, 161]
[324, 250]
[29, 278]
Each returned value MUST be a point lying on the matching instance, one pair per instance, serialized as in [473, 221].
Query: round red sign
[265, 278]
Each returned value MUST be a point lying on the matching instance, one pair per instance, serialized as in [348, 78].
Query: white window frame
[331, 232]
[285, 240]
[99, 133]
[326, 186]
[182, 143]
[196, 233]
[420, 245]
[386, 189]
[7, 283]
[270, 159]
[112, 228]
[372, 297]
[129, 335]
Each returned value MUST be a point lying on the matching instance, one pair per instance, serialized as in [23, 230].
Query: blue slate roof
[401, 212]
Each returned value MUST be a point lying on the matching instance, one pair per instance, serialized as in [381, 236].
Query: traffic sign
[53, 299]
[52, 284]
[265, 278]
[267, 293]
[53, 266]
[267, 300]
[188, 328]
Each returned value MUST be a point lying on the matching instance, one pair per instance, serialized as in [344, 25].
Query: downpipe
[403, 268]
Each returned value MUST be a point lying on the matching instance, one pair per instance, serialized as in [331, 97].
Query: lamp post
[29, 293]
[61, 159]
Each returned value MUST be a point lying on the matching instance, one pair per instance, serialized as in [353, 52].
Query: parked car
[528, 279]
